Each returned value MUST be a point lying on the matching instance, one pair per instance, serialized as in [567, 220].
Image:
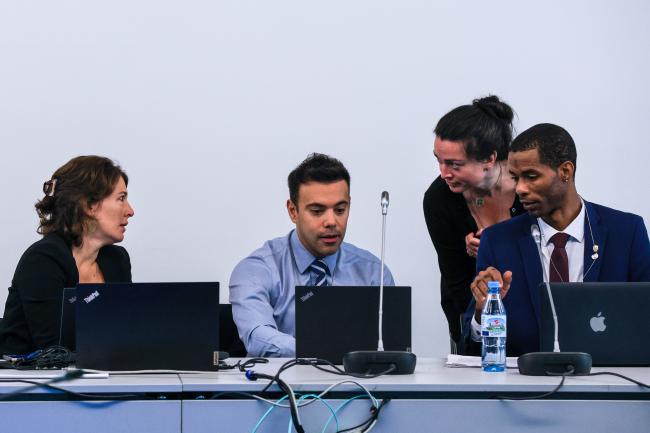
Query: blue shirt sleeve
[251, 289]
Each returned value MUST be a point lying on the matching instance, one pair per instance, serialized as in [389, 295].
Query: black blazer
[33, 309]
[449, 221]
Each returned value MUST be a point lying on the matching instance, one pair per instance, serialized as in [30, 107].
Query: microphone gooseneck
[380, 361]
[556, 362]
[537, 237]
[384, 211]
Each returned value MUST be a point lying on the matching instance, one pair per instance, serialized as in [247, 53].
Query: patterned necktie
[319, 272]
[559, 269]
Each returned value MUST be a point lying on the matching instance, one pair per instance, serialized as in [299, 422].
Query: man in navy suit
[563, 238]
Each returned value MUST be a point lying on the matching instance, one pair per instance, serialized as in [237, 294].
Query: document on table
[474, 361]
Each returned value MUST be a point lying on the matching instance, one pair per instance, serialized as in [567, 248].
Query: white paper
[474, 361]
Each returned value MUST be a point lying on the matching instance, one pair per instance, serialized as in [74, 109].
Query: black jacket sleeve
[35, 296]
[448, 225]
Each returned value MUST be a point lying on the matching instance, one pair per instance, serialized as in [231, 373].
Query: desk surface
[115, 383]
[435, 395]
[431, 375]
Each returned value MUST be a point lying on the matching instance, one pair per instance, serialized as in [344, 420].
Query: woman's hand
[472, 242]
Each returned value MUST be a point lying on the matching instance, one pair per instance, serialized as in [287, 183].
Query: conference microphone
[380, 361]
[537, 237]
[384, 212]
[556, 362]
[384, 203]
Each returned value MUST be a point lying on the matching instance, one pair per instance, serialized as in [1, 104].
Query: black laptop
[334, 320]
[147, 326]
[607, 320]
[67, 322]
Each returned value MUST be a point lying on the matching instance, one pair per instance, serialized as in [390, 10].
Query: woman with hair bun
[84, 212]
[474, 191]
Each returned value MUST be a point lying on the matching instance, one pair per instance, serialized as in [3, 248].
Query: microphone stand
[371, 362]
[556, 362]
[384, 211]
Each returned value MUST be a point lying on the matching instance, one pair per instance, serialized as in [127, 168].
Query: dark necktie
[559, 268]
[319, 272]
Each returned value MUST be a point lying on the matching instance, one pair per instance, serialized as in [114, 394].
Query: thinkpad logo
[88, 299]
[306, 296]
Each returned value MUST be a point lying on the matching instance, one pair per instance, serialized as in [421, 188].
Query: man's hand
[472, 242]
[479, 287]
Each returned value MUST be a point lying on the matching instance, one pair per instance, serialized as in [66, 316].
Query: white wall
[208, 105]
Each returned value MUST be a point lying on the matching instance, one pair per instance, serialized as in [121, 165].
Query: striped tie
[319, 272]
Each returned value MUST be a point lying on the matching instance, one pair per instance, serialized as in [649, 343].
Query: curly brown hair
[80, 183]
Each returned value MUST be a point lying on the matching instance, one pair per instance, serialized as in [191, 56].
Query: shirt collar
[304, 258]
[576, 229]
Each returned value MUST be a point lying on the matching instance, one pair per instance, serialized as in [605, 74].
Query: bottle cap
[493, 286]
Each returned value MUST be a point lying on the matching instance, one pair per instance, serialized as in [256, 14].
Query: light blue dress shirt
[262, 289]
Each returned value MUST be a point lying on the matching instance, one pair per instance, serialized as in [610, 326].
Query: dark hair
[316, 168]
[484, 127]
[553, 142]
[78, 184]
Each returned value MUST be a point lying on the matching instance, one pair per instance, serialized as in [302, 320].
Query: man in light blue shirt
[262, 286]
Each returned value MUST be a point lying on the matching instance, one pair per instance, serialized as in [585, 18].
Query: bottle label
[493, 326]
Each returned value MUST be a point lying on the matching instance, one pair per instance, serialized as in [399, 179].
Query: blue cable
[259, 423]
[329, 420]
[341, 406]
[322, 401]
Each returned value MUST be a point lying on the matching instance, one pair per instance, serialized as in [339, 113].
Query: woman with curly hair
[84, 212]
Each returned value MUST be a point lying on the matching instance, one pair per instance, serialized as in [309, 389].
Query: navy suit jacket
[623, 255]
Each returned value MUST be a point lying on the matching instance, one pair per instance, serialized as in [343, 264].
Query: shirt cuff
[476, 329]
[267, 341]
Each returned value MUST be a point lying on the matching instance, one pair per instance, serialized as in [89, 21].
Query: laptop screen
[141, 326]
[605, 320]
[67, 323]
[334, 320]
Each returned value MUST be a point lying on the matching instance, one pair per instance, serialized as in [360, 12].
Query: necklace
[480, 201]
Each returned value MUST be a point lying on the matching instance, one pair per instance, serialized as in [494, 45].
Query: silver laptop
[607, 320]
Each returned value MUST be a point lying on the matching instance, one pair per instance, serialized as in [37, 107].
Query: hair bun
[493, 106]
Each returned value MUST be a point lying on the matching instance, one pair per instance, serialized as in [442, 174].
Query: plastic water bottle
[493, 330]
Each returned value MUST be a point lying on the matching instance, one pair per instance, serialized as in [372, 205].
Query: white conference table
[435, 398]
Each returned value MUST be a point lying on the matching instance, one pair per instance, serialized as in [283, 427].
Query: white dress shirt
[575, 246]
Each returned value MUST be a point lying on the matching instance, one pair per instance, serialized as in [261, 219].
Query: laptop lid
[67, 322]
[142, 326]
[334, 320]
[607, 320]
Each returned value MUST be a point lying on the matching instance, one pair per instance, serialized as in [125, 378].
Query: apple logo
[598, 323]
